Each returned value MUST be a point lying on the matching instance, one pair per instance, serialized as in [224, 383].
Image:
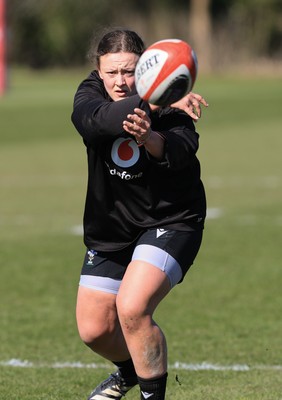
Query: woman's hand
[138, 125]
[191, 104]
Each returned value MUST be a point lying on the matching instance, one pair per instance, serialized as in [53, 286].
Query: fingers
[140, 116]
[198, 99]
[138, 120]
[137, 124]
[194, 102]
[196, 107]
[191, 104]
[194, 114]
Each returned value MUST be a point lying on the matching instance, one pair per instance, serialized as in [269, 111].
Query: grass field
[223, 324]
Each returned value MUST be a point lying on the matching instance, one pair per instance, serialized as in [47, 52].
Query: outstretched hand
[191, 104]
[138, 125]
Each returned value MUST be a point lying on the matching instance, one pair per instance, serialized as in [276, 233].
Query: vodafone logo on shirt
[125, 152]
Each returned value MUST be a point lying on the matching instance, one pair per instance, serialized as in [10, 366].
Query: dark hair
[115, 41]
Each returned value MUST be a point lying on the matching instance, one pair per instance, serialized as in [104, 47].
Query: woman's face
[117, 71]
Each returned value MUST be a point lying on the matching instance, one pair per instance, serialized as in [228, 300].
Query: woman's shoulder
[93, 82]
[94, 76]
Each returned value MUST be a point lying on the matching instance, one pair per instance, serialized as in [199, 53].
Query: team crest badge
[91, 254]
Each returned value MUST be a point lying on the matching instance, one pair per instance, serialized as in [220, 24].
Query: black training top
[128, 190]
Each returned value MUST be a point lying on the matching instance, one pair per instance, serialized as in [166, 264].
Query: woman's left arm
[191, 104]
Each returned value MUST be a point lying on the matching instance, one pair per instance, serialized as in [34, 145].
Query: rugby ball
[166, 72]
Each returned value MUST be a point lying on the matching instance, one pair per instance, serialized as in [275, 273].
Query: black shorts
[171, 251]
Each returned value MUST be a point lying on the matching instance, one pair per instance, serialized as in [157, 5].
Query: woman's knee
[139, 296]
[92, 333]
[96, 317]
[131, 314]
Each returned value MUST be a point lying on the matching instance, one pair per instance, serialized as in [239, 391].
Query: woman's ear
[100, 74]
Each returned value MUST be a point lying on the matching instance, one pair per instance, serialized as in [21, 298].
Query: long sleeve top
[128, 190]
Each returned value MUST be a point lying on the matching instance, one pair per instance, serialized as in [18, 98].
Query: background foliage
[224, 32]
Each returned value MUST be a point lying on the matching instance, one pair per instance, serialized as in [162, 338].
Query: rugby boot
[113, 388]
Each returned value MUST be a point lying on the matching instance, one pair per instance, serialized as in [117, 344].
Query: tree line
[44, 33]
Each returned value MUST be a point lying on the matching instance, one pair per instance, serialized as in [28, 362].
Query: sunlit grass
[226, 312]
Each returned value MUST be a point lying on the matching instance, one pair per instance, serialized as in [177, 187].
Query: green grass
[228, 310]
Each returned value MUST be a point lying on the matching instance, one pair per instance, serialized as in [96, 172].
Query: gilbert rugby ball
[166, 72]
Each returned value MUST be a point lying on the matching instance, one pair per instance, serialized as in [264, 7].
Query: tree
[201, 32]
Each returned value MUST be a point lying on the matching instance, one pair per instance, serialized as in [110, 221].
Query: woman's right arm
[95, 116]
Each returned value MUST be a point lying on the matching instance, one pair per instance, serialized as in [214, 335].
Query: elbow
[75, 120]
[82, 124]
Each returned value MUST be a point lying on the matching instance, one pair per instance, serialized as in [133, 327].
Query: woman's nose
[120, 79]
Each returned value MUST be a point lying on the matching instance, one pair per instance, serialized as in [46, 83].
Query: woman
[144, 215]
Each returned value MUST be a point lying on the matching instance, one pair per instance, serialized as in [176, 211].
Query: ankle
[153, 389]
[127, 371]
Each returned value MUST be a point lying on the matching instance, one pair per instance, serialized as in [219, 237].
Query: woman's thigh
[142, 288]
[160, 261]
